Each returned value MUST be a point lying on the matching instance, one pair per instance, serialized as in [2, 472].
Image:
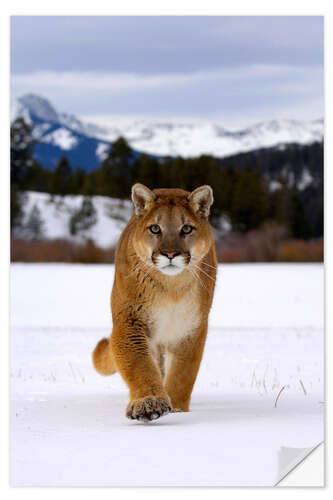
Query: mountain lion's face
[172, 231]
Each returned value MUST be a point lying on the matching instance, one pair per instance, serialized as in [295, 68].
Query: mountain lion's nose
[170, 255]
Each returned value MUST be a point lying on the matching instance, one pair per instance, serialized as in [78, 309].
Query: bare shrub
[265, 245]
[268, 244]
[59, 250]
[90, 253]
[301, 251]
[260, 245]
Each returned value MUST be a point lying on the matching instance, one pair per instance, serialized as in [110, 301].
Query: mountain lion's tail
[103, 359]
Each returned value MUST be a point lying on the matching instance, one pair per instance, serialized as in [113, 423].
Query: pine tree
[61, 179]
[300, 227]
[16, 208]
[78, 180]
[249, 205]
[34, 227]
[116, 170]
[83, 218]
[145, 170]
[37, 178]
[121, 152]
[20, 150]
[20, 161]
[280, 203]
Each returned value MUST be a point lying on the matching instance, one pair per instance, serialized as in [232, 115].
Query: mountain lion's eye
[187, 229]
[155, 229]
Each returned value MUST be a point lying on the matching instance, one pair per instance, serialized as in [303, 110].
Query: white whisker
[199, 279]
[150, 266]
[210, 277]
[202, 262]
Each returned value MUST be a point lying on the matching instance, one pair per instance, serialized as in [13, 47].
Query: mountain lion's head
[172, 231]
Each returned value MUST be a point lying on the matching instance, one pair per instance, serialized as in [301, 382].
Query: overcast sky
[237, 69]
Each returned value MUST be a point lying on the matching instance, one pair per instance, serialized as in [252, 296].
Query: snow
[305, 180]
[67, 422]
[61, 137]
[190, 137]
[185, 136]
[31, 106]
[102, 150]
[112, 216]
[274, 185]
[36, 105]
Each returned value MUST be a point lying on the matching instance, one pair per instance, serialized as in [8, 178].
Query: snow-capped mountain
[32, 107]
[193, 138]
[59, 134]
[86, 144]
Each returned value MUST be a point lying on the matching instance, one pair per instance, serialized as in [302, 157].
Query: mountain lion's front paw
[149, 408]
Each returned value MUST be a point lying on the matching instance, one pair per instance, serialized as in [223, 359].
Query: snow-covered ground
[112, 216]
[68, 426]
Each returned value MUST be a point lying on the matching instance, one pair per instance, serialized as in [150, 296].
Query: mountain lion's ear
[142, 198]
[201, 200]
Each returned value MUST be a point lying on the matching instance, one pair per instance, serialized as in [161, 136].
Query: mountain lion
[165, 270]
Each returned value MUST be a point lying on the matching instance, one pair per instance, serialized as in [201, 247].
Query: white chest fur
[173, 321]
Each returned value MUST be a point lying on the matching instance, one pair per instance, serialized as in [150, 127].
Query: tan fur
[160, 320]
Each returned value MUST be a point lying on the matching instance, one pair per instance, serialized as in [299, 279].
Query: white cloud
[120, 82]
[240, 93]
[100, 80]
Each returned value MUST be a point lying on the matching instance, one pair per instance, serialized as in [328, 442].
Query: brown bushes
[59, 250]
[268, 244]
[254, 246]
[301, 251]
[265, 245]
